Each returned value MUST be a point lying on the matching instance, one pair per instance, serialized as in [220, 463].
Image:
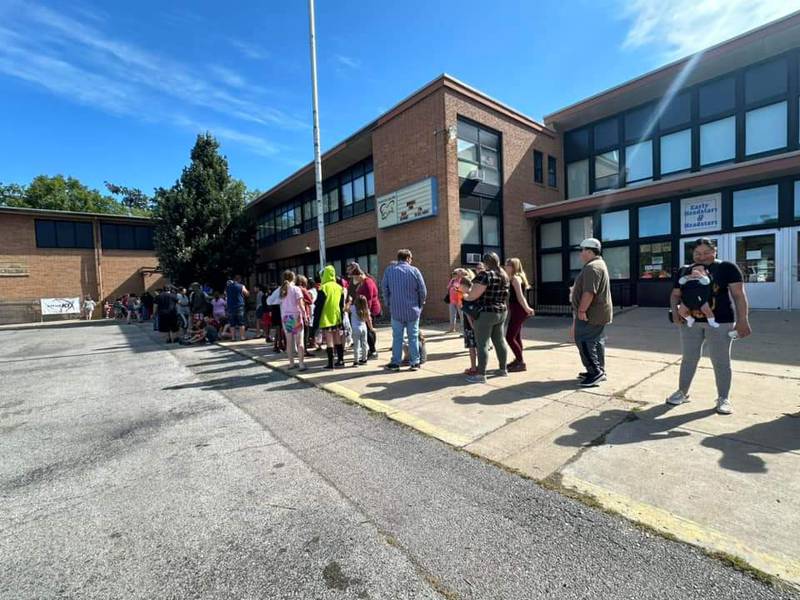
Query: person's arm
[475, 292]
[387, 295]
[742, 309]
[674, 303]
[245, 293]
[583, 306]
[318, 307]
[370, 327]
[515, 283]
[421, 289]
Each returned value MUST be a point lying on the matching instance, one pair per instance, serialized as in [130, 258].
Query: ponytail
[288, 279]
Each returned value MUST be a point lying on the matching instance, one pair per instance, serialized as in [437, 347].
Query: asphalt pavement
[134, 469]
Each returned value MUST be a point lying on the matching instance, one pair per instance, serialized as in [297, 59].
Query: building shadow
[740, 450]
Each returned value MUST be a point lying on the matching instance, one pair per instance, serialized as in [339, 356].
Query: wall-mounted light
[452, 132]
[308, 248]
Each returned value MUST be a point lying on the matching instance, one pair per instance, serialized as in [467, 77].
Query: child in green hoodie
[328, 315]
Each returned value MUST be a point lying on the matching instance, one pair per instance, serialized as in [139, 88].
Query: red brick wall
[407, 149]
[54, 272]
[518, 144]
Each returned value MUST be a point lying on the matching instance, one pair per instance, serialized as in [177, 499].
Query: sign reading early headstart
[701, 213]
[411, 203]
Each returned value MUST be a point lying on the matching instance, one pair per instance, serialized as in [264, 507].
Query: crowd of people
[488, 307]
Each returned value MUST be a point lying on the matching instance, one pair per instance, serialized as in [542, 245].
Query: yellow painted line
[686, 530]
[401, 416]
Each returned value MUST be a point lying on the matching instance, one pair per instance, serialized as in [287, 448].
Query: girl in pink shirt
[292, 317]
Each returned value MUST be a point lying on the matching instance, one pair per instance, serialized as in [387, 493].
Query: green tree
[58, 193]
[201, 231]
[133, 199]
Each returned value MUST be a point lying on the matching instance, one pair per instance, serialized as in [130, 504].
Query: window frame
[538, 167]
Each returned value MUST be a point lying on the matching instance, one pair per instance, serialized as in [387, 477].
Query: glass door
[757, 254]
[687, 248]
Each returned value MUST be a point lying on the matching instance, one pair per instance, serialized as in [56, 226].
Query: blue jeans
[411, 328]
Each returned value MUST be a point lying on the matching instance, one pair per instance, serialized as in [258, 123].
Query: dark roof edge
[46, 211]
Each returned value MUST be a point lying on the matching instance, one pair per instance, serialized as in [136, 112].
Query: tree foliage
[60, 193]
[201, 230]
[134, 199]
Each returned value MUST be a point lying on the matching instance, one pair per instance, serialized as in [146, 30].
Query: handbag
[447, 297]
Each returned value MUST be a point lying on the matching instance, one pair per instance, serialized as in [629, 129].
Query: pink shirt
[290, 304]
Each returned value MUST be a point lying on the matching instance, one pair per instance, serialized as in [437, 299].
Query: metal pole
[317, 155]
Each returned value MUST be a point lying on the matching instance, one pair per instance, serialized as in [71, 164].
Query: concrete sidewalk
[728, 483]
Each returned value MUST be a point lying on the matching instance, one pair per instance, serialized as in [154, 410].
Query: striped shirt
[404, 291]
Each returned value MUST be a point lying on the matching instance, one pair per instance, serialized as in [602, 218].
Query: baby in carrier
[695, 296]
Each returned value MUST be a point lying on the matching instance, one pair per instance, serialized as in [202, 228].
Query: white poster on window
[701, 214]
[60, 306]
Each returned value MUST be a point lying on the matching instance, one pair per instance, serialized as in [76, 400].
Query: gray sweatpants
[719, 351]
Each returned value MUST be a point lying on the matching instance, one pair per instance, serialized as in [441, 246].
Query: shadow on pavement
[740, 449]
[515, 393]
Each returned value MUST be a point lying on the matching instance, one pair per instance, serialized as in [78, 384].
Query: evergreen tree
[201, 231]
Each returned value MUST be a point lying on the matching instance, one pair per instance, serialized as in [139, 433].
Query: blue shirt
[404, 291]
[234, 295]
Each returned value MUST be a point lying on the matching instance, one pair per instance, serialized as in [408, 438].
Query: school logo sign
[701, 213]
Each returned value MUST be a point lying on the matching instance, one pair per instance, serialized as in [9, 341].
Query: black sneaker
[372, 355]
[582, 375]
[592, 380]
[413, 368]
[393, 367]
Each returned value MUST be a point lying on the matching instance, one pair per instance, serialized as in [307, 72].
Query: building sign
[411, 203]
[60, 306]
[13, 270]
[701, 214]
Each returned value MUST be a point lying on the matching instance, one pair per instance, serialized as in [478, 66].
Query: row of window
[538, 169]
[733, 118]
[345, 195]
[758, 206]
[79, 234]
[478, 153]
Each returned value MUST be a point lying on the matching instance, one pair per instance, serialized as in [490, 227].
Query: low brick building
[57, 254]
[447, 173]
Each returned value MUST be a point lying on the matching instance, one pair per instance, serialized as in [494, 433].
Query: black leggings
[371, 341]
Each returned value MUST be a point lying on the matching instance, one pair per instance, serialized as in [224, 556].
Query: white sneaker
[724, 406]
[689, 321]
[713, 323]
[677, 398]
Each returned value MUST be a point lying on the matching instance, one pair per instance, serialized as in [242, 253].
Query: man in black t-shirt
[729, 305]
[167, 307]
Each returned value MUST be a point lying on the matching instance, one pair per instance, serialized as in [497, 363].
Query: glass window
[797, 201]
[538, 167]
[491, 176]
[578, 178]
[639, 161]
[655, 260]
[615, 226]
[756, 206]
[677, 112]
[489, 158]
[65, 234]
[373, 265]
[551, 268]
[618, 262]
[550, 234]
[576, 144]
[717, 97]
[765, 81]
[347, 193]
[46, 234]
[491, 230]
[676, 151]
[489, 139]
[655, 220]
[370, 181]
[358, 189]
[575, 263]
[718, 141]
[470, 227]
[467, 131]
[579, 230]
[606, 134]
[552, 172]
[126, 238]
[606, 170]
[468, 151]
[636, 124]
[765, 128]
[84, 236]
[755, 255]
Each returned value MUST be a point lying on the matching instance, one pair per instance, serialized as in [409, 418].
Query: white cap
[591, 243]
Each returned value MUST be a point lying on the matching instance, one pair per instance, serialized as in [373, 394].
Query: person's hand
[582, 316]
[743, 329]
[529, 312]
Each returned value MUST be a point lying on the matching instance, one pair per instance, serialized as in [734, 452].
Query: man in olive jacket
[592, 311]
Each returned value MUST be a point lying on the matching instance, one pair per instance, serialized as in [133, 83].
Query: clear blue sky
[118, 90]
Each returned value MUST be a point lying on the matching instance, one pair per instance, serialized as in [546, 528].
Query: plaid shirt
[496, 295]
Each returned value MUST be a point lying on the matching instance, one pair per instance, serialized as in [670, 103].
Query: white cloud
[75, 59]
[249, 50]
[682, 27]
[347, 61]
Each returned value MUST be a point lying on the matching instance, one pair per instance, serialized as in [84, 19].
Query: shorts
[168, 322]
[292, 324]
[236, 317]
[469, 336]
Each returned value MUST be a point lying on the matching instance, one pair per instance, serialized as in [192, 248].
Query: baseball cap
[593, 243]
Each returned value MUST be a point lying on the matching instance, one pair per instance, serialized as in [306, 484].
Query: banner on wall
[60, 306]
[701, 213]
[411, 203]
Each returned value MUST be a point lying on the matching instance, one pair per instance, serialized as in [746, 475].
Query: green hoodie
[331, 312]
